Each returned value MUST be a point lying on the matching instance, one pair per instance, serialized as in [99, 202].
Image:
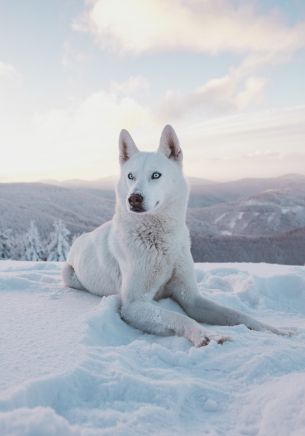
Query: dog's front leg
[184, 290]
[205, 311]
[149, 316]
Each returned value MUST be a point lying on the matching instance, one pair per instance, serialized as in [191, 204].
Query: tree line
[288, 248]
[30, 245]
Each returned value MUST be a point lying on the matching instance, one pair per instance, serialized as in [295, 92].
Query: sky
[228, 75]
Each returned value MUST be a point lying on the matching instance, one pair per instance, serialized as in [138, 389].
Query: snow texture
[70, 366]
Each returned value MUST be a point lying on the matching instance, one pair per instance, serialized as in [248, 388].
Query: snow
[70, 366]
[292, 209]
[234, 220]
[219, 218]
[226, 233]
[270, 217]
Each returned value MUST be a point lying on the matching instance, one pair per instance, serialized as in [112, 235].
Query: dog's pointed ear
[169, 144]
[127, 147]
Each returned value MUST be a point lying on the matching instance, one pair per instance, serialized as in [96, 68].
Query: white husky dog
[143, 254]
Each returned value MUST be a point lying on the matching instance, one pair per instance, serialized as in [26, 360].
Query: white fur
[145, 256]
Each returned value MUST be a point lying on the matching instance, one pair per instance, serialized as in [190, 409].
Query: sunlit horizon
[114, 177]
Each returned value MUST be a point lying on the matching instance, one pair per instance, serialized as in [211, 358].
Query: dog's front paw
[200, 340]
[203, 338]
[198, 337]
[220, 339]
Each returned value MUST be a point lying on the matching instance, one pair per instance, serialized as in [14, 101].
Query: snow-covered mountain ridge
[268, 213]
[253, 207]
[229, 212]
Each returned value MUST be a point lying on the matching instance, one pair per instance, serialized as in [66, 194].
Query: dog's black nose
[136, 201]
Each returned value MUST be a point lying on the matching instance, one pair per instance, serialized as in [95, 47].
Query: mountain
[81, 209]
[234, 219]
[287, 248]
[209, 194]
[267, 213]
[106, 183]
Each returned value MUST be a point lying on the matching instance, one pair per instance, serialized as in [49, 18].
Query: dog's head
[150, 180]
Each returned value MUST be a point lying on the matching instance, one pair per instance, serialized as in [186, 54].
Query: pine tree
[59, 245]
[17, 246]
[33, 249]
[74, 237]
[5, 244]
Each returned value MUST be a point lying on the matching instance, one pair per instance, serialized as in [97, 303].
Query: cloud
[81, 141]
[133, 85]
[10, 91]
[8, 72]
[211, 26]
[263, 143]
[259, 144]
[78, 140]
[252, 92]
[230, 93]
[278, 123]
[9, 78]
[72, 55]
[265, 165]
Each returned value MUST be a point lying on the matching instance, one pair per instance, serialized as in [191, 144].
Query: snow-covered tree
[75, 236]
[33, 249]
[5, 244]
[59, 244]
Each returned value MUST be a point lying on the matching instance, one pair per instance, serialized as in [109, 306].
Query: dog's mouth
[137, 209]
[140, 208]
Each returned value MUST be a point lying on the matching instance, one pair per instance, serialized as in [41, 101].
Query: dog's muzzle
[136, 203]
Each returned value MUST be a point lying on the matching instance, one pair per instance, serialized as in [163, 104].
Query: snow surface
[70, 366]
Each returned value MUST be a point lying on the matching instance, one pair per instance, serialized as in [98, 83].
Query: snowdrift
[70, 366]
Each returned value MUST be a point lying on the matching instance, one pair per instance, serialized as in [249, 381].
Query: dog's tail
[70, 279]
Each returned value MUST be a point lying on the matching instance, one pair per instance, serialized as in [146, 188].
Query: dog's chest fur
[148, 244]
[152, 234]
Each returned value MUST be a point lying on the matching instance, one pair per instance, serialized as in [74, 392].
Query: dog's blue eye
[130, 176]
[156, 175]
